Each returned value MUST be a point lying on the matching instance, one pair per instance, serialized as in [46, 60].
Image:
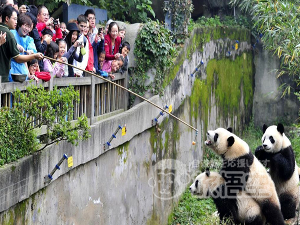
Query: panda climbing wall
[242, 171]
[277, 150]
[241, 210]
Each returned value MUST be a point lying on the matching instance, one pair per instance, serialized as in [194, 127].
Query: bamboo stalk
[109, 81]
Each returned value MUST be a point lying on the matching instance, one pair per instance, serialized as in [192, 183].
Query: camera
[100, 30]
[80, 43]
[55, 22]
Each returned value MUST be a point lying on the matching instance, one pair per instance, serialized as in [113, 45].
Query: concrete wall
[139, 179]
[269, 107]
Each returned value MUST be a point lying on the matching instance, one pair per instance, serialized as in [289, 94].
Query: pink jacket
[57, 70]
[106, 66]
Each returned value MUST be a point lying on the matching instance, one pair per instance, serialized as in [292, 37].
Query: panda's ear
[264, 128]
[280, 128]
[230, 141]
[207, 172]
[229, 129]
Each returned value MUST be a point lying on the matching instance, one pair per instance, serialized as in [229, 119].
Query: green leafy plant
[229, 21]
[51, 5]
[33, 110]
[180, 13]
[153, 49]
[124, 10]
[277, 23]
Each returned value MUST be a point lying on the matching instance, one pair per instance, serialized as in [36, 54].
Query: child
[60, 68]
[33, 67]
[124, 53]
[104, 66]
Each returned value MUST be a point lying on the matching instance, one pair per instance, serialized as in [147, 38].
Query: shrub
[33, 109]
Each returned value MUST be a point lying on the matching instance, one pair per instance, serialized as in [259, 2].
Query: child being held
[124, 54]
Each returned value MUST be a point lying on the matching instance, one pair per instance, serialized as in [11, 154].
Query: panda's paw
[259, 151]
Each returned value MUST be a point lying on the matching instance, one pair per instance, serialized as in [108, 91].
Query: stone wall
[269, 107]
[140, 178]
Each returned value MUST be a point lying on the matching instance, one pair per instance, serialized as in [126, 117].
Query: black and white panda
[277, 150]
[243, 172]
[241, 210]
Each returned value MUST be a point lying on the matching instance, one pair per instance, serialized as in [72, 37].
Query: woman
[72, 44]
[112, 42]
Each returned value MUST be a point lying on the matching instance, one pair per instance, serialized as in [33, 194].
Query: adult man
[9, 49]
[96, 39]
[44, 21]
[7, 2]
[82, 25]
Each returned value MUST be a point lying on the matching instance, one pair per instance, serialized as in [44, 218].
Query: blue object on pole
[57, 167]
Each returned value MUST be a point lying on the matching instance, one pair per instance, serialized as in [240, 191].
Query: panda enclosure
[141, 177]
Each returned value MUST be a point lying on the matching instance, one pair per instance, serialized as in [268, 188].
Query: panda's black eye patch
[196, 183]
[216, 137]
[272, 139]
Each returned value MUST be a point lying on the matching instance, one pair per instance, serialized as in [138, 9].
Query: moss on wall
[163, 143]
[201, 36]
[226, 79]
[124, 148]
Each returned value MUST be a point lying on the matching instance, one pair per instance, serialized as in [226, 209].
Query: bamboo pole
[109, 81]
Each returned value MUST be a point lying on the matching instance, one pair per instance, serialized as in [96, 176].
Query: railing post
[51, 81]
[126, 95]
[91, 101]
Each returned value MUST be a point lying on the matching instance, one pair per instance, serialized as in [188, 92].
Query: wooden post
[126, 95]
[90, 100]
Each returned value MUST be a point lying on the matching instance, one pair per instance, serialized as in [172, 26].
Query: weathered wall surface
[268, 105]
[141, 177]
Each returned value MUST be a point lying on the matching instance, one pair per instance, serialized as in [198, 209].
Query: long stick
[96, 75]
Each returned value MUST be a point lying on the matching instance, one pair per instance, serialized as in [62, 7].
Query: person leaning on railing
[9, 49]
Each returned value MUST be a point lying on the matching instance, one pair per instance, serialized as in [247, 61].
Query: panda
[242, 171]
[242, 209]
[277, 150]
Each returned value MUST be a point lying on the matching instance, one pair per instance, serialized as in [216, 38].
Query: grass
[192, 210]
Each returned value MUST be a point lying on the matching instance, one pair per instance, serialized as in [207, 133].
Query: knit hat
[47, 31]
[72, 27]
[33, 10]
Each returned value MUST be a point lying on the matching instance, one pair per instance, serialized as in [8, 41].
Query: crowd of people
[30, 38]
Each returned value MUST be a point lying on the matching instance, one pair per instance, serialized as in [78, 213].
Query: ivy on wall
[180, 13]
[154, 49]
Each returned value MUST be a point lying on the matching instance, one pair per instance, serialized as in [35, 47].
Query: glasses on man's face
[92, 18]
[45, 14]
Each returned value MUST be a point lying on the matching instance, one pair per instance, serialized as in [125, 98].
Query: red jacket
[90, 64]
[57, 35]
[108, 47]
